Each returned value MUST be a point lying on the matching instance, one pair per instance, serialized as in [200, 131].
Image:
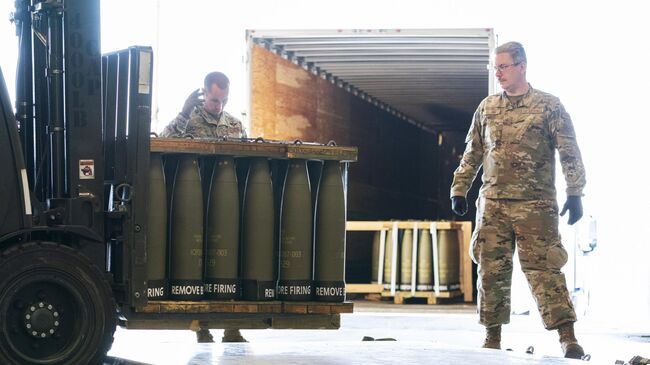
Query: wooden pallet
[370, 292]
[464, 229]
[250, 147]
[178, 315]
[363, 288]
[165, 306]
[431, 296]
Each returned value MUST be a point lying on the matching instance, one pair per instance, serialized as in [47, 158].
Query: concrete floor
[423, 335]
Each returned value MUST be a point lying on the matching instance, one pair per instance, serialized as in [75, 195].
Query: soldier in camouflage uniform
[514, 136]
[207, 119]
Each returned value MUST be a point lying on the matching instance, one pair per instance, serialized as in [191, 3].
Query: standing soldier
[514, 135]
[206, 118]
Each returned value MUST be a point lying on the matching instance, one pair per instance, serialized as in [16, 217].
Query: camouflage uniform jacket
[202, 124]
[515, 143]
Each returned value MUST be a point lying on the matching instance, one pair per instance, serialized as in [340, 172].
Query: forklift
[73, 218]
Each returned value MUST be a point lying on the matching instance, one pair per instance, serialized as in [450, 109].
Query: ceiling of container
[434, 78]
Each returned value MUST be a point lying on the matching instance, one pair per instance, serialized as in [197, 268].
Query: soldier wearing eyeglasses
[513, 136]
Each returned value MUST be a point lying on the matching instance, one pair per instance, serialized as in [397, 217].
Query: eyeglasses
[504, 67]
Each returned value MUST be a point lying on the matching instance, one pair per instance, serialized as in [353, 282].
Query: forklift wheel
[56, 307]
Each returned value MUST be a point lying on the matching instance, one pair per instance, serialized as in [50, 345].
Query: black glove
[192, 101]
[574, 206]
[459, 205]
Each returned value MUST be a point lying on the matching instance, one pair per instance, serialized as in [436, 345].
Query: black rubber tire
[84, 308]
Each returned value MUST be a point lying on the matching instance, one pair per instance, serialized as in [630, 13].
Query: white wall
[592, 54]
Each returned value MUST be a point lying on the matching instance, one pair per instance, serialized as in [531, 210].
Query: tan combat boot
[203, 336]
[569, 342]
[492, 337]
[232, 335]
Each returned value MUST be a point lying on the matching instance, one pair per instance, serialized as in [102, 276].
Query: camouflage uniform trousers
[532, 227]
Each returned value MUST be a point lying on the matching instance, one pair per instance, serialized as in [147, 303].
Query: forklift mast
[58, 104]
[84, 128]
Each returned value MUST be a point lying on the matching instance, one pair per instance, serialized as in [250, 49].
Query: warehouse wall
[397, 172]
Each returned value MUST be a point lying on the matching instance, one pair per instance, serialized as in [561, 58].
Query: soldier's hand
[459, 205]
[574, 205]
[192, 101]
